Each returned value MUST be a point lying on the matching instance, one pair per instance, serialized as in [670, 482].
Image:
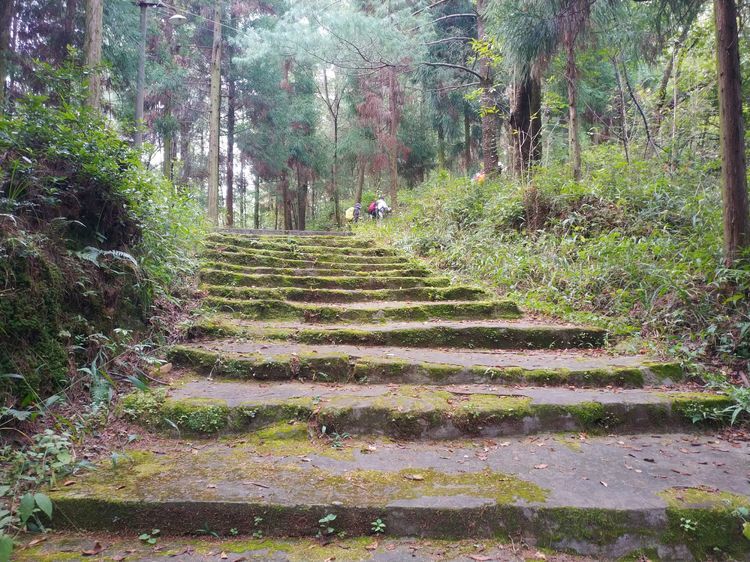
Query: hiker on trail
[381, 208]
[357, 211]
[372, 209]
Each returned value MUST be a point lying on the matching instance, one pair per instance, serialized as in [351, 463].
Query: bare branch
[454, 66]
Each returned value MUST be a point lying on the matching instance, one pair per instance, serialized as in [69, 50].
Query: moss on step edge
[316, 295]
[283, 310]
[234, 279]
[405, 271]
[341, 367]
[706, 521]
[408, 413]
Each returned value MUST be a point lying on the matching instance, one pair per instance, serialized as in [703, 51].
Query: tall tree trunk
[535, 125]
[7, 12]
[286, 200]
[571, 77]
[231, 104]
[214, 122]
[334, 177]
[360, 180]
[92, 51]
[467, 140]
[185, 150]
[394, 119]
[441, 146]
[519, 126]
[302, 187]
[231, 101]
[489, 111]
[69, 24]
[732, 132]
[256, 203]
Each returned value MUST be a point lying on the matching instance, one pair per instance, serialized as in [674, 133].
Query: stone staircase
[332, 384]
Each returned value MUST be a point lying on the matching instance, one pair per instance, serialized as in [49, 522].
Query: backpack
[372, 207]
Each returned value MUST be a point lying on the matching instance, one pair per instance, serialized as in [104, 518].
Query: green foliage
[631, 248]
[90, 239]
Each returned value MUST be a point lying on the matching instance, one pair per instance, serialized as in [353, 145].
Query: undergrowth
[632, 248]
[96, 257]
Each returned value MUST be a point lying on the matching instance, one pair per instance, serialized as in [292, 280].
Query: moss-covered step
[341, 363]
[427, 294]
[363, 312]
[325, 257]
[419, 412]
[63, 546]
[236, 279]
[606, 497]
[257, 260]
[307, 237]
[303, 247]
[405, 271]
[446, 334]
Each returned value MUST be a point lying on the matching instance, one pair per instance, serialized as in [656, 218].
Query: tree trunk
[535, 124]
[92, 51]
[489, 111]
[467, 140]
[732, 132]
[334, 178]
[231, 105]
[185, 150]
[441, 146]
[571, 77]
[302, 187]
[256, 203]
[214, 122]
[6, 20]
[394, 119]
[519, 126]
[69, 23]
[360, 180]
[286, 200]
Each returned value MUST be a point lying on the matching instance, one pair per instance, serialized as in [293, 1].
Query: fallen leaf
[417, 477]
[96, 549]
[223, 556]
[211, 486]
[69, 482]
[603, 483]
[541, 466]
[540, 555]
[37, 541]
[118, 558]
[480, 557]
[373, 546]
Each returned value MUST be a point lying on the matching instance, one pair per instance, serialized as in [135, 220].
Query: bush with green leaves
[89, 238]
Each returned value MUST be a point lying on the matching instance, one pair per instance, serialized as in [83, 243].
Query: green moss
[665, 371]
[196, 415]
[713, 528]
[145, 407]
[687, 404]
[587, 525]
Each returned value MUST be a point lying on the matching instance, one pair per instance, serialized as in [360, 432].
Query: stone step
[332, 235]
[606, 497]
[426, 294]
[208, 406]
[346, 363]
[63, 546]
[334, 271]
[256, 260]
[299, 246]
[320, 257]
[366, 312]
[492, 334]
[236, 279]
